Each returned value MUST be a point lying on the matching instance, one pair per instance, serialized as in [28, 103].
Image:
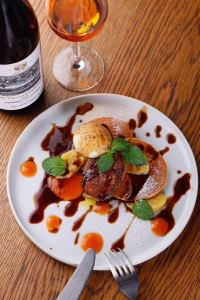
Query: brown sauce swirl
[158, 130]
[132, 124]
[113, 215]
[163, 151]
[182, 185]
[171, 138]
[43, 198]
[59, 139]
[76, 238]
[142, 118]
[79, 222]
[72, 207]
[120, 243]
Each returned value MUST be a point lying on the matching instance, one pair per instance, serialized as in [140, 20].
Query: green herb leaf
[142, 210]
[119, 144]
[134, 156]
[54, 166]
[105, 162]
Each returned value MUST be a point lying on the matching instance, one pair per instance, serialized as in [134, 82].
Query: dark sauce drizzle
[113, 215]
[120, 243]
[158, 130]
[132, 124]
[76, 238]
[165, 150]
[42, 199]
[148, 134]
[182, 185]
[171, 138]
[79, 222]
[31, 158]
[58, 140]
[72, 207]
[179, 171]
[142, 118]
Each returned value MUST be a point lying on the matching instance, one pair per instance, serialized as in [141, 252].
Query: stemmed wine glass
[77, 68]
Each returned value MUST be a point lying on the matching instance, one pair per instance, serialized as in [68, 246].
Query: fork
[123, 272]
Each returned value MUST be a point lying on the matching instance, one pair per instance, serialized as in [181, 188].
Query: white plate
[141, 243]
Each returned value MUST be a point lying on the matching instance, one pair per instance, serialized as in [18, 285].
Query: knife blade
[77, 282]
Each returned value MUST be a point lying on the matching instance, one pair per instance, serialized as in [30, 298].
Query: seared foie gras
[102, 186]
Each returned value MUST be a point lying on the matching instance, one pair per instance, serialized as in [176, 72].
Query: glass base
[79, 75]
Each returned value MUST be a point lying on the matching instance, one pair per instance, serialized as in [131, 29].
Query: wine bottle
[21, 79]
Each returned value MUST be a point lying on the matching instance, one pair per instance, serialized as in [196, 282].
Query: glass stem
[79, 63]
[77, 52]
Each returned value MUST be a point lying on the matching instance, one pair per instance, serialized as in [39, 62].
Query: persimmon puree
[68, 188]
[92, 240]
[53, 223]
[159, 226]
[101, 208]
[28, 168]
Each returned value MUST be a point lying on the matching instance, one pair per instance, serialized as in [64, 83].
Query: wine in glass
[77, 68]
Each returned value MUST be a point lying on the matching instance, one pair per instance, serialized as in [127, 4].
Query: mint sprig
[134, 156]
[105, 162]
[54, 166]
[142, 210]
[120, 145]
[131, 154]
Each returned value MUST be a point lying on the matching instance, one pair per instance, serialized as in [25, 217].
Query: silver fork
[123, 272]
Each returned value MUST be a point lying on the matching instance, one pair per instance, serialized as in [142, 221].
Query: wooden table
[152, 52]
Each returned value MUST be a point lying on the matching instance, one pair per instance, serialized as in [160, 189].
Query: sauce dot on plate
[92, 240]
[53, 223]
[159, 226]
[101, 208]
[28, 168]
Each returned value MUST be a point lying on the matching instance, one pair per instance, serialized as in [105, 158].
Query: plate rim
[155, 250]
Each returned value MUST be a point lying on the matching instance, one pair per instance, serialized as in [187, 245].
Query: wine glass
[77, 68]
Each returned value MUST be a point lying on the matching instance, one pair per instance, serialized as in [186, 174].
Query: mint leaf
[142, 210]
[119, 144]
[105, 162]
[54, 166]
[134, 156]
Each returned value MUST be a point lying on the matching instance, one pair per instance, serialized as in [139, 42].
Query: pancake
[157, 177]
[117, 128]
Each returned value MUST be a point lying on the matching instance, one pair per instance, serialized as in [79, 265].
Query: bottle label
[21, 83]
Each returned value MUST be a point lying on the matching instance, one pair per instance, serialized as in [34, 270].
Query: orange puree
[28, 168]
[159, 226]
[92, 240]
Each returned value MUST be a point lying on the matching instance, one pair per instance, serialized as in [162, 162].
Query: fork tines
[119, 264]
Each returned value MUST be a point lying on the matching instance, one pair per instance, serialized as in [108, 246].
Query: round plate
[140, 243]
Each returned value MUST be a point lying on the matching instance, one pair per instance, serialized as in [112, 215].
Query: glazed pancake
[157, 177]
[116, 127]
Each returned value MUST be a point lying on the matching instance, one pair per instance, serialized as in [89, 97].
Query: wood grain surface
[151, 49]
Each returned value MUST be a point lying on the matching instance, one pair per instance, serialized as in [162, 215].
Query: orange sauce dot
[28, 168]
[101, 208]
[92, 240]
[159, 226]
[53, 223]
[68, 188]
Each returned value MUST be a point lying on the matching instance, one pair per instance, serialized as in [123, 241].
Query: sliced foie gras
[102, 186]
[124, 190]
[156, 179]
[117, 128]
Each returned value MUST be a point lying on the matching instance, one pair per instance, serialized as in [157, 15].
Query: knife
[77, 282]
